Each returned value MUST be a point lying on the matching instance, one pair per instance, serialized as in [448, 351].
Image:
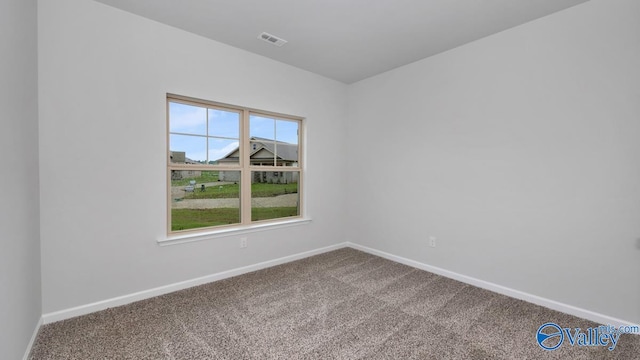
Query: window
[230, 166]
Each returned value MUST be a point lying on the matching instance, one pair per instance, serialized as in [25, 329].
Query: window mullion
[207, 133]
[275, 143]
[245, 183]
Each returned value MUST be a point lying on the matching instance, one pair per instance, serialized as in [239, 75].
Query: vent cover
[272, 39]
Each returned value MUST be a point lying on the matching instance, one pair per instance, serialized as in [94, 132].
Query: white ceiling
[347, 40]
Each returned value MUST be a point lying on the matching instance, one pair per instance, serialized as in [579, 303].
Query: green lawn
[265, 213]
[206, 177]
[226, 191]
[269, 190]
[233, 191]
[184, 219]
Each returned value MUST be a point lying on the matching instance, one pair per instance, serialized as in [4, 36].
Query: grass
[265, 213]
[233, 191]
[269, 190]
[184, 219]
[226, 191]
[205, 177]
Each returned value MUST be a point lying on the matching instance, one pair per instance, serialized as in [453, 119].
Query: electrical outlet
[243, 242]
[432, 241]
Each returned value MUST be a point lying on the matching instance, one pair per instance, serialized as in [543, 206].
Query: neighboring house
[265, 152]
[178, 157]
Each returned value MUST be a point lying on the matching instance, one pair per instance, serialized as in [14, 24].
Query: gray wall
[20, 304]
[519, 152]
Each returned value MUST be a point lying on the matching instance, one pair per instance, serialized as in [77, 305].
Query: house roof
[284, 151]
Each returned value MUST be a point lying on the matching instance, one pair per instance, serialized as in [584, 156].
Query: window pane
[287, 131]
[286, 154]
[273, 142]
[287, 142]
[185, 149]
[187, 119]
[224, 124]
[261, 152]
[223, 151]
[204, 198]
[262, 127]
[274, 194]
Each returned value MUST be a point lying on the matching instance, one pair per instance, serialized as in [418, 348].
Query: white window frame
[244, 167]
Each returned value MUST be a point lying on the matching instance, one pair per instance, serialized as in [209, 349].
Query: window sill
[186, 238]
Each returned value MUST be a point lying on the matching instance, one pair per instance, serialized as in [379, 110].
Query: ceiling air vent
[272, 39]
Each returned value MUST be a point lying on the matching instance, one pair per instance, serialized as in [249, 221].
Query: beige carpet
[344, 304]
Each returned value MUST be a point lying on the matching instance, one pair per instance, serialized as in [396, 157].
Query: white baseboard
[551, 304]
[33, 339]
[146, 294]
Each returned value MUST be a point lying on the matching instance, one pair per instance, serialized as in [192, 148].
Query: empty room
[320, 179]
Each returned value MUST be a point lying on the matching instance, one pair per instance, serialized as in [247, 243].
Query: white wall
[519, 152]
[20, 305]
[104, 75]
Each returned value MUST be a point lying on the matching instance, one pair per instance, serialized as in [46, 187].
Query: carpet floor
[343, 304]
